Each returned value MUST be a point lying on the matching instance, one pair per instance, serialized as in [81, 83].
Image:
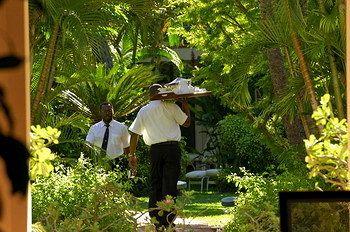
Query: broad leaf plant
[41, 155]
[327, 155]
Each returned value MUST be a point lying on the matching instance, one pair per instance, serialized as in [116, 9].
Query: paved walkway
[182, 225]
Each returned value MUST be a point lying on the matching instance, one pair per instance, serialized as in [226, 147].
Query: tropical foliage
[256, 205]
[71, 38]
[327, 155]
[241, 146]
[266, 59]
[41, 155]
[83, 198]
[267, 63]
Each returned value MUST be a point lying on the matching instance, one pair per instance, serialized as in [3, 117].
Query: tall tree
[71, 18]
[73, 34]
[279, 76]
[333, 68]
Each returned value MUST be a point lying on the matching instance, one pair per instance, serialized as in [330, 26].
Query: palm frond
[71, 128]
[147, 53]
[124, 90]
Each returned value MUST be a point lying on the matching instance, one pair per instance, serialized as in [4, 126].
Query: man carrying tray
[159, 124]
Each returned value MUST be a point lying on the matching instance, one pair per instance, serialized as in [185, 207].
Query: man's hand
[133, 164]
[186, 109]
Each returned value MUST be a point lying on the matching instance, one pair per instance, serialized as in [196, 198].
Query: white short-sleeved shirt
[159, 121]
[119, 137]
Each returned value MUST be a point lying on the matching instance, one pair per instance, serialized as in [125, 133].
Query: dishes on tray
[181, 88]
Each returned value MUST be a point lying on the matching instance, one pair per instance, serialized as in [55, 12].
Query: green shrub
[240, 146]
[256, 207]
[223, 185]
[83, 198]
[141, 183]
[327, 155]
[41, 156]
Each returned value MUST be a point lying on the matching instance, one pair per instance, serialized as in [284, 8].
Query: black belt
[166, 143]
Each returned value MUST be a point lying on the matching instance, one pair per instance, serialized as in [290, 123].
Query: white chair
[211, 173]
[196, 175]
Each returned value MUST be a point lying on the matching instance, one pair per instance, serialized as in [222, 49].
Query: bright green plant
[241, 146]
[83, 198]
[254, 211]
[256, 207]
[41, 155]
[327, 155]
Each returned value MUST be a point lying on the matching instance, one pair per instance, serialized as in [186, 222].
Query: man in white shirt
[109, 134]
[159, 124]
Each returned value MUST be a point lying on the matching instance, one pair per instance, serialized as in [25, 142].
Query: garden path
[182, 225]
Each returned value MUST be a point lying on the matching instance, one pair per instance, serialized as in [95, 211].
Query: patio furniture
[200, 176]
[196, 175]
[211, 173]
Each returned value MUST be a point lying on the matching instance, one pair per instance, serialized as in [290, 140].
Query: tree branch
[235, 22]
[241, 7]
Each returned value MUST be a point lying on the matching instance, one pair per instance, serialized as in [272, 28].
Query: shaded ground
[203, 213]
[182, 225]
[186, 228]
[202, 208]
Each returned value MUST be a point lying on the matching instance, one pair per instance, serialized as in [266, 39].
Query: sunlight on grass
[215, 221]
[206, 207]
[203, 207]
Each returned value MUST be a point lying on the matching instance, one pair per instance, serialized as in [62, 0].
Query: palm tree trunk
[301, 111]
[334, 71]
[279, 77]
[335, 82]
[303, 118]
[47, 70]
[304, 71]
[279, 82]
[342, 23]
[134, 49]
[310, 90]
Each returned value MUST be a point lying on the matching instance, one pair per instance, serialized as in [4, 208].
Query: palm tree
[279, 76]
[328, 28]
[73, 104]
[76, 32]
[125, 89]
[75, 18]
[293, 15]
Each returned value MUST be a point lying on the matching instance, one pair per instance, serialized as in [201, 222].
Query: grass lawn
[204, 207]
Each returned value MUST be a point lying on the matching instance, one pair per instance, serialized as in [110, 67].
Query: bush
[141, 184]
[256, 207]
[41, 155]
[240, 146]
[83, 198]
[327, 155]
[222, 183]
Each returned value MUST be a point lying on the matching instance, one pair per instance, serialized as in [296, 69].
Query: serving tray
[174, 96]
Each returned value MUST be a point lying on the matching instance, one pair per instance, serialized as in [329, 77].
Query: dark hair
[154, 89]
[106, 104]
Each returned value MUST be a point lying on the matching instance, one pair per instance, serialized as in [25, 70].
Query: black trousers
[165, 171]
